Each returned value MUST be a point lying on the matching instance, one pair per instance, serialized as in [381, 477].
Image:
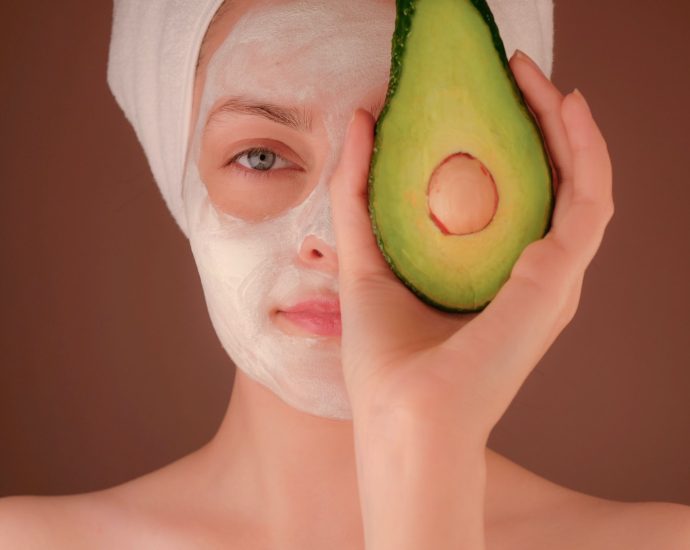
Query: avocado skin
[405, 11]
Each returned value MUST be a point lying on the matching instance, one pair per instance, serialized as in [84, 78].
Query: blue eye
[259, 160]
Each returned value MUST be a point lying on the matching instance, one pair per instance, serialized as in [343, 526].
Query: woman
[371, 438]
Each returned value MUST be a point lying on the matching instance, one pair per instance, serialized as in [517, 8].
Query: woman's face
[272, 105]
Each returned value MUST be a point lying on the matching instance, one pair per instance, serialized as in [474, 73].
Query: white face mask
[327, 56]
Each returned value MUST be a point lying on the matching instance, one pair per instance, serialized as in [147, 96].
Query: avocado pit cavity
[462, 195]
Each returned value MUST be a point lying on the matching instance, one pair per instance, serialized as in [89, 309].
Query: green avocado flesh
[451, 91]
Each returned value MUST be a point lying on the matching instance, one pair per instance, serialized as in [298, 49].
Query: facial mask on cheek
[329, 55]
[247, 270]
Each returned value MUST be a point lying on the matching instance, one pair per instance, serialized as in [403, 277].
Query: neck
[291, 476]
[293, 473]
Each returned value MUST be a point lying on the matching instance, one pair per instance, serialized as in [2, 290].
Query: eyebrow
[292, 117]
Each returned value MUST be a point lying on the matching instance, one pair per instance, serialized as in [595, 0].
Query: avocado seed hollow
[462, 195]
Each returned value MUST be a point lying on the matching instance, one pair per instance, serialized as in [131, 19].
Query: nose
[316, 254]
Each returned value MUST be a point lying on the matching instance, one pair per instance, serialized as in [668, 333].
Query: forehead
[299, 43]
[234, 13]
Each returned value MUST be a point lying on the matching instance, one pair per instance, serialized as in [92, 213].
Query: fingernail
[522, 55]
[578, 94]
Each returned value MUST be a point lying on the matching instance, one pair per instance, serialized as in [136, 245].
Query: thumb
[358, 254]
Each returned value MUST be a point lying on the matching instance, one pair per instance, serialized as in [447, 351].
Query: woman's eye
[260, 160]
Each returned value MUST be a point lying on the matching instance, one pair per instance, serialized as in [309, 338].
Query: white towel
[153, 54]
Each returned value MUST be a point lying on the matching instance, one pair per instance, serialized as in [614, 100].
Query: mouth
[313, 317]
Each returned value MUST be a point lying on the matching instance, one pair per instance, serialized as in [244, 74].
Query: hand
[403, 357]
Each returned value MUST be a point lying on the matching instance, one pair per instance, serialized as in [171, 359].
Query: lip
[316, 316]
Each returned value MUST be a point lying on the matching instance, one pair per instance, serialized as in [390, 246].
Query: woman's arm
[422, 485]
[428, 387]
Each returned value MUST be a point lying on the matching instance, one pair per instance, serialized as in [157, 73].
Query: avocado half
[452, 95]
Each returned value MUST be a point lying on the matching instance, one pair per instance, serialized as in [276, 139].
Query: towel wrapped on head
[152, 63]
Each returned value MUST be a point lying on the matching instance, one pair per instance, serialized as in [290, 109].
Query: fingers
[567, 312]
[531, 309]
[553, 111]
[358, 254]
[545, 101]
[580, 227]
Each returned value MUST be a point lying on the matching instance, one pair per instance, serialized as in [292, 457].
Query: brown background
[109, 367]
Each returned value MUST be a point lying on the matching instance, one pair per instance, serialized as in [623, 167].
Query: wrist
[421, 486]
[395, 425]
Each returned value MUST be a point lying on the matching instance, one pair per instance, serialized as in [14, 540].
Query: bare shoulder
[536, 513]
[152, 511]
[48, 521]
[594, 523]
[19, 524]
[110, 518]
[658, 525]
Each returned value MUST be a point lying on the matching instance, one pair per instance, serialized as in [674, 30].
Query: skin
[262, 239]
[275, 477]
